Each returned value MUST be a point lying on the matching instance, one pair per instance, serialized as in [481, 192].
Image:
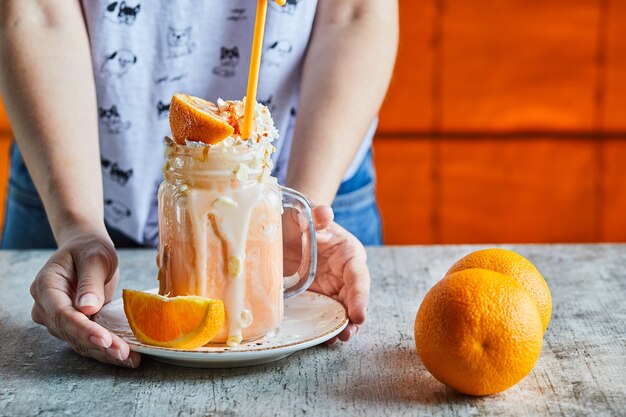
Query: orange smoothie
[220, 232]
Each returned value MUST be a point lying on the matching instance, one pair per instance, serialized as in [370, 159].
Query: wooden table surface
[582, 369]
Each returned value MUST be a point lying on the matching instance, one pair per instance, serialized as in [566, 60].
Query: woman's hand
[342, 271]
[78, 279]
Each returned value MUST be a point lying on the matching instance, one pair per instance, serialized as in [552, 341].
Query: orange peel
[183, 322]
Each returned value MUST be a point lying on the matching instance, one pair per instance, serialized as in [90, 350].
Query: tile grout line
[514, 134]
[598, 119]
[437, 116]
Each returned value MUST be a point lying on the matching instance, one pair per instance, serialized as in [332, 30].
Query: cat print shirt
[144, 51]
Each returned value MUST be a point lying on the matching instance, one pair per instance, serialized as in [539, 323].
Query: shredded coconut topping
[263, 130]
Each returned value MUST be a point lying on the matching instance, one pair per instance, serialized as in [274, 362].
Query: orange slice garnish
[184, 322]
[197, 120]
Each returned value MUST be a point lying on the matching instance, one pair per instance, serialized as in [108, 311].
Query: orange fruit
[197, 120]
[516, 266]
[478, 331]
[184, 322]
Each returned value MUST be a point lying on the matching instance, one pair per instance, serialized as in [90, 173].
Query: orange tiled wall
[506, 122]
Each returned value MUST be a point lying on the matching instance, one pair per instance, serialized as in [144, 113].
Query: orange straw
[255, 65]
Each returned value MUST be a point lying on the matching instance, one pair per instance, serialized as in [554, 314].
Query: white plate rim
[224, 354]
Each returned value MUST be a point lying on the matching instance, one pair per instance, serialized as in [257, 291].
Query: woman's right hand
[78, 279]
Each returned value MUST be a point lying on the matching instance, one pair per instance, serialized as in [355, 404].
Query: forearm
[345, 77]
[47, 85]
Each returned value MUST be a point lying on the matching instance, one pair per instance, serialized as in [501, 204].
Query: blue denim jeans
[355, 205]
[26, 225]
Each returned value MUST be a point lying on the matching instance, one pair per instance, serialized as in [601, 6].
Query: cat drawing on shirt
[179, 42]
[115, 210]
[169, 78]
[163, 110]
[118, 63]
[112, 120]
[237, 14]
[119, 175]
[229, 59]
[276, 53]
[268, 103]
[122, 13]
[115, 172]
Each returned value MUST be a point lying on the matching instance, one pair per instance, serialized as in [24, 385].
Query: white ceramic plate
[310, 319]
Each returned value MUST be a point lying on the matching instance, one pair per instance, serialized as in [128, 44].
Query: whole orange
[478, 331]
[516, 266]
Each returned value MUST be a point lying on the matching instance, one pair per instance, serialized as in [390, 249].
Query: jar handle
[302, 279]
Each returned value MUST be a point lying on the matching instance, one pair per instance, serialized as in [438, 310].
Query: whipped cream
[263, 129]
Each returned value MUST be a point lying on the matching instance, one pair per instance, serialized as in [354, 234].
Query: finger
[59, 313]
[75, 327]
[347, 333]
[102, 356]
[118, 354]
[55, 334]
[357, 278]
[134, 360]
[38, 315]
[331, 341]
[119, 348]
[80, 347]
[323, 217]
[95, 267]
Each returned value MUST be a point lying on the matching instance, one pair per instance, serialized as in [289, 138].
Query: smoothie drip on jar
[229, 212]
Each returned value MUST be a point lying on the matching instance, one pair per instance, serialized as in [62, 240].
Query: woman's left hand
[342, 271]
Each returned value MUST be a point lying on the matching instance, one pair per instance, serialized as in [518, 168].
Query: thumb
[95, 267]
[323, 217]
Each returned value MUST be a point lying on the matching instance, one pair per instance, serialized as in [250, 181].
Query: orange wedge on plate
[184, 322]
[197, 120]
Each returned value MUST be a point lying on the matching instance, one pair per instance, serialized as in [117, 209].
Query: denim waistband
[356, 199]
[358, 191]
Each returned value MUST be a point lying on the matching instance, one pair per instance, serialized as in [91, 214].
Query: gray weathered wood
[582, 369]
